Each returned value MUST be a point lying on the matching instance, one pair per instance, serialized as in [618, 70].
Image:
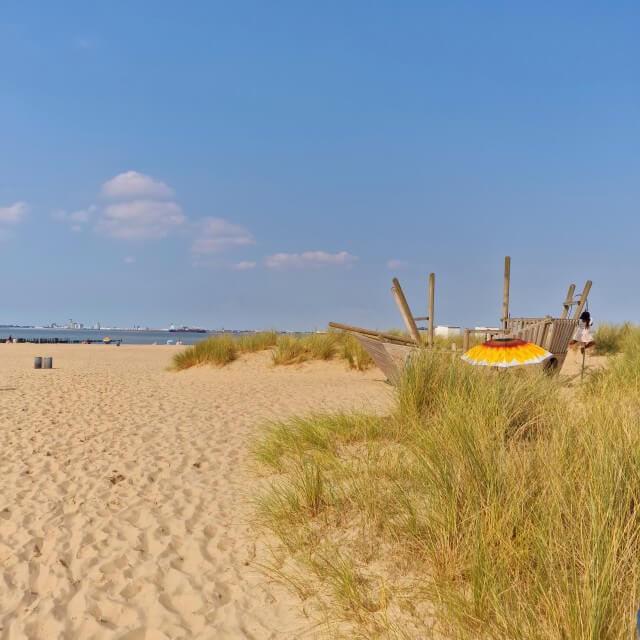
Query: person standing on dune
[583, 335]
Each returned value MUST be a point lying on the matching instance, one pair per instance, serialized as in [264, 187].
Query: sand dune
[125, 488]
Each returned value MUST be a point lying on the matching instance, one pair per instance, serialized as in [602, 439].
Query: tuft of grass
[253, 342]
[222, 349]
[216, 350]
[353, 353]
[286, 349]
[289, 350]
[609, 338]
[322, 346]
[491, 504]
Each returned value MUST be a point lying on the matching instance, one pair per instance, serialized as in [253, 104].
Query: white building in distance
[446, 331]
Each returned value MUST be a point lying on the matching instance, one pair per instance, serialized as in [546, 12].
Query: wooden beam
[583, 299]
[566, 305]
[432, 290]
[405, 311]
[373, 333]
[465, 340]
[505, 291]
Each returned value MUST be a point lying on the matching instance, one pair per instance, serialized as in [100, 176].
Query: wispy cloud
[134, 185]
[14, 213]
[140, 219]
[139, 206]
[244, 265]
[75, 219]
[397, 264]
[215, 234]
[309, 259]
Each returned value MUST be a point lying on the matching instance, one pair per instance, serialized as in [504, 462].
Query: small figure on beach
[583, 336]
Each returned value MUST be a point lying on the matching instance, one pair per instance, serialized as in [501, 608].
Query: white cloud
[140, 219]
[309, 258]
[134, 185]
[13, 213]
[244, 265]
[397, 264]
[75, 218]
[129, 260]
[215, 234]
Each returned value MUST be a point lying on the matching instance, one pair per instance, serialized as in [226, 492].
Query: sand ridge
[125, 490]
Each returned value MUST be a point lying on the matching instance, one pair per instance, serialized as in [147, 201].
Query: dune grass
[352, 352]
[610, 337]
[289, 350]
[489, 504]
[216, 350]
[285, 349]
[259, 341]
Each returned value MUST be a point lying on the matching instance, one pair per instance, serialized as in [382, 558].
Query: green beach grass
[285, 349]
[487, 504]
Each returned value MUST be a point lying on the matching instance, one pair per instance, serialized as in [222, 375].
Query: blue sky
[261, 164]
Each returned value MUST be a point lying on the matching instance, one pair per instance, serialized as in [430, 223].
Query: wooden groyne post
[505, 291]
[432, 291]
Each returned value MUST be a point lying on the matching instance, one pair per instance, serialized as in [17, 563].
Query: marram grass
[217, 350]
[491, 504]
[285, 349]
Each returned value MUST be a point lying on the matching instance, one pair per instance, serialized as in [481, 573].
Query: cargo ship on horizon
[183, 329]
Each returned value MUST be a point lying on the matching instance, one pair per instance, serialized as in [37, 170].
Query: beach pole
[405, 312]
[37, 362]
[48, 363]
[465, 340]
[505, 291]
[432, 290]
[566, 306]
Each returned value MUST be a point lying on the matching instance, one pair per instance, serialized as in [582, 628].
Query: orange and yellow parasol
[506, 352]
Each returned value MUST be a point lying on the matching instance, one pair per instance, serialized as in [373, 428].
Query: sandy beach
[126, 491]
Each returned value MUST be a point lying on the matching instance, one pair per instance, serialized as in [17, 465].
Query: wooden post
[566, 305]
[373, 333]
[432, 290]
[583, 299]
[405, 312]
[465, 340]
[505, 291]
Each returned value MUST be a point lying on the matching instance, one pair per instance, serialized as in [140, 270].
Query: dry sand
[125, 490]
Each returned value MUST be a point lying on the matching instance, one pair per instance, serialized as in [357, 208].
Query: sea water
[127, 337]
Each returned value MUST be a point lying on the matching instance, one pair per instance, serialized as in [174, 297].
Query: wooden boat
[390, 352]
